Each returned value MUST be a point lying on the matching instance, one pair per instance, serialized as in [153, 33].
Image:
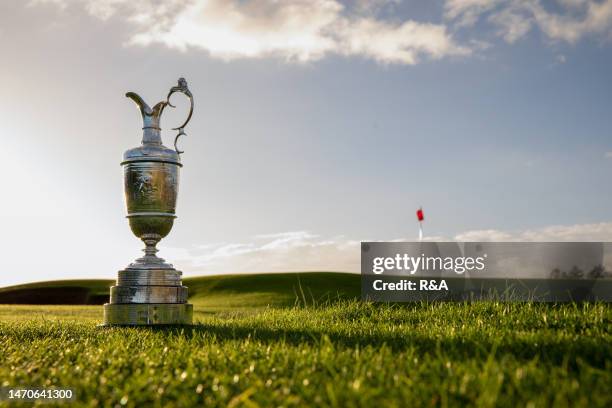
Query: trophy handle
[182, 88]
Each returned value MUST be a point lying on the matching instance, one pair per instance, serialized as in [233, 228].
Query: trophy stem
[150, 260]
[151, 240]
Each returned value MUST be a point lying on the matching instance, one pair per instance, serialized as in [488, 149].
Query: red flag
[420, 215]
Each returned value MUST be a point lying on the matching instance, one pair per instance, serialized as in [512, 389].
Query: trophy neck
[150, 119]
[151, 135]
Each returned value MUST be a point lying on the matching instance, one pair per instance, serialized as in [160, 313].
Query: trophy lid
[151, 152]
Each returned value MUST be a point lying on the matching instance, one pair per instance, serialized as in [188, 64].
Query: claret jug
[149, 291]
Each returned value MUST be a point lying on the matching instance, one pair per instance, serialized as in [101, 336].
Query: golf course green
[305, 339]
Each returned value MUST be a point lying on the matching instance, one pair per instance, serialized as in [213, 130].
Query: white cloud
[227, 29]
[484, 235]
[514, 19]
[511, 23]
[596, 19]
[403, 43]
[298, 30]
[309, 30]
[467, 12]
[303, 251]
[579, 232]
[290, 251]
[608, 155]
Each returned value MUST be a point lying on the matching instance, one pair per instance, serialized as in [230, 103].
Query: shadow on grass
[551, 348]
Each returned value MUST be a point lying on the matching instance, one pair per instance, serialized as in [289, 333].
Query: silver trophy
[149, 291]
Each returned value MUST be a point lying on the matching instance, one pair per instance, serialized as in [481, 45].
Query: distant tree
[576, 272]
[555, 274]
[597, 272]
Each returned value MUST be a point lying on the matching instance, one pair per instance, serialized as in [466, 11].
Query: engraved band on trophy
[149, 291]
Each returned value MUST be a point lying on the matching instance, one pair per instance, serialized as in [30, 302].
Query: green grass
[240, 292]
[332, 351]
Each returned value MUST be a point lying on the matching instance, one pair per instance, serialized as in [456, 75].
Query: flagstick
[420, 230]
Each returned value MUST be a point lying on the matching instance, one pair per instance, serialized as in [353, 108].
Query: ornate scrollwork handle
[182, 88]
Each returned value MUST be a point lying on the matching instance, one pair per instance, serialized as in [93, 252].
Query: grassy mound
[226, 292]
[60, 292]
[213, 292]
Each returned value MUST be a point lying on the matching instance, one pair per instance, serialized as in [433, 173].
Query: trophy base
[147, 314]
[148, 294]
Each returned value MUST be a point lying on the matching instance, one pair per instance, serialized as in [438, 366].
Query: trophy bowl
[150, 193]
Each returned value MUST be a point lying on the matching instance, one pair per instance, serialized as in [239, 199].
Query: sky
[318, 124]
